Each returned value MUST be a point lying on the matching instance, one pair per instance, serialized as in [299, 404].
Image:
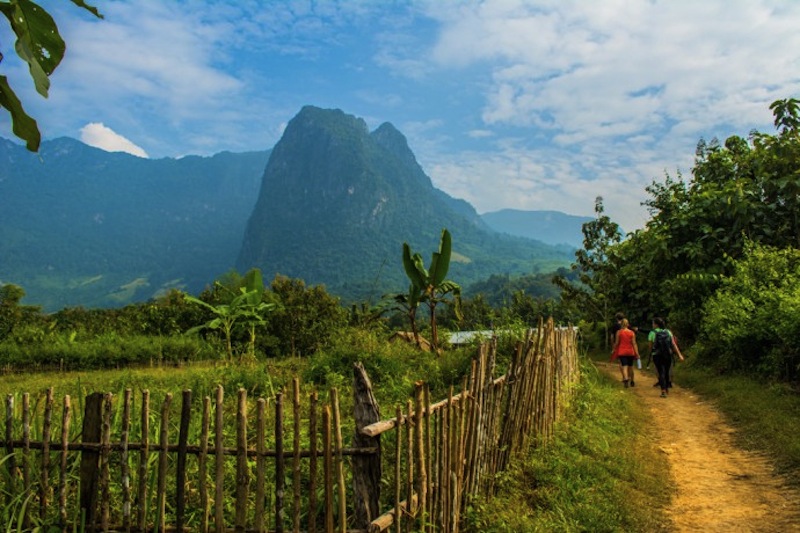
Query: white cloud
[100, 136]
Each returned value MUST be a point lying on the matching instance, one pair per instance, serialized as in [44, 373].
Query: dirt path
[719, 487]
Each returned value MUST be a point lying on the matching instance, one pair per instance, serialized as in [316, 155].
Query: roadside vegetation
[600, 473]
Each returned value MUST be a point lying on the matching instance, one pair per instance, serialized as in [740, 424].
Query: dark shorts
[626, 360]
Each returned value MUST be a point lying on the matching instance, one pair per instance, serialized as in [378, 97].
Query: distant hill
[81, 226]
[331, 204]
[337, 201]
[551, 227]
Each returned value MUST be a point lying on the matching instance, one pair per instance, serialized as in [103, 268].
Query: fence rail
[282, 464]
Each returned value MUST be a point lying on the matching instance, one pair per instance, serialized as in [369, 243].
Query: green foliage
[40, 45]
[753, 321]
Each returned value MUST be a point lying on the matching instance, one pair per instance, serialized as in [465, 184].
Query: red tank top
[626, 339]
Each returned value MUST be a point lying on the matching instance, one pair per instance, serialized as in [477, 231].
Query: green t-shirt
[651, 337]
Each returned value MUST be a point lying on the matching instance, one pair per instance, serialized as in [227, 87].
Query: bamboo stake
[202, 464]
[398, 448]
[261, 435]
[26, 451]
[141, 495]
[296, 454]
[419, 452]
[105, 451]
[242, 471]
[429, 457]
[44, 481]
[125, 470]
[10, 462]
[62, 482]
[328, 468]
[409, 466]
[180, 470]
[219, 462]
[439, 447]
[444, 476]
[337, 429]
[162, 463]
[312, 464]
[280, 466]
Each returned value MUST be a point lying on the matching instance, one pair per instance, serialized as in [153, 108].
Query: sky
[532, 105]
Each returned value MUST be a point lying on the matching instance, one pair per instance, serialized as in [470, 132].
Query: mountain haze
[551, 227]
[337, 202]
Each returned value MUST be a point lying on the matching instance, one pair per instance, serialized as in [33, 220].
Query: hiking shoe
[625, 382]
[633, 384]
[663, 394]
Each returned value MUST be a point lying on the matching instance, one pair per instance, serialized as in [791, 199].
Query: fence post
[90, 459]
[366, 467]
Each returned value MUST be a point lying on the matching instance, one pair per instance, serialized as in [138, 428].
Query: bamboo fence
[195, 473]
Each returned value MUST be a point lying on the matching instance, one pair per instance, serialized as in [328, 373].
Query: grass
[764, 414]
[599, 474]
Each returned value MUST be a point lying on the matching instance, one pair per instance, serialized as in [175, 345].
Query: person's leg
[663, 373]
[631, 375]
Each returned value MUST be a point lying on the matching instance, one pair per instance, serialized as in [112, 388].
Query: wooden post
[398, 448]
[296, 455]
[219, 462]
[327, 460]
[261, 435]
[66, 416]
[312, 464]
[421, 479]
[202, 464]
[90, 459]
[280, 464]
[161, 492]
[144, 451]
[105, 472]
[125, 470]
[180, 470]
[366, 468]
[44, 481]
[26, 453]
[337, 435]
[242, 470]
[10, 462]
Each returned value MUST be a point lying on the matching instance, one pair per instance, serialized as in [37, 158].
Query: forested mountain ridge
[337, 202]
[81, 226]
[550, 227]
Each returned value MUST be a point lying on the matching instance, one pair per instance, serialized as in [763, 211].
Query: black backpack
[662, 346]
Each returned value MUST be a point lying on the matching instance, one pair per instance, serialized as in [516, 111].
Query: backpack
[662, 345]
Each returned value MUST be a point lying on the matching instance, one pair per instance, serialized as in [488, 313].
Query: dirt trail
[719, 486]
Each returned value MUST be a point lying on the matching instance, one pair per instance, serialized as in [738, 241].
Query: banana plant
[246, 308]
[429, 285]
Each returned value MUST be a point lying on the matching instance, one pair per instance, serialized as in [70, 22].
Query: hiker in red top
[626, 350]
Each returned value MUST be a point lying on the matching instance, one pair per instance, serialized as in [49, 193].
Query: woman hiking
[662, 346]
[626, 350]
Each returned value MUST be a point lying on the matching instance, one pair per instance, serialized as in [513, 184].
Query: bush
[753, 321]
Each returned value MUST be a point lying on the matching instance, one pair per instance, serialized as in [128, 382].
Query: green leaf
[414, 267]
[22, 124]
[440, 263]
[93, 10]
[38, 42]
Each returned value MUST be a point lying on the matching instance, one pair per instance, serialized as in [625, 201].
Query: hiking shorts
[626, 360]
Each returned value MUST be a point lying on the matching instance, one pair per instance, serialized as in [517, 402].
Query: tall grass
[601, 472]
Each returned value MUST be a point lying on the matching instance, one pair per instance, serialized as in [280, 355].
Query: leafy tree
[596, 274]
[305, 317]
[40, 45]
[429, 285]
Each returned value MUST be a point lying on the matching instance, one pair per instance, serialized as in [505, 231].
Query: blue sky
[506, 104]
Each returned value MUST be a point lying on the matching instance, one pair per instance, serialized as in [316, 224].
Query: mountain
[337, 202]
[551, 227]
[81, 226]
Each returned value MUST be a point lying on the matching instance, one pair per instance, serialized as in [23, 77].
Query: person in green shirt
[662, 345]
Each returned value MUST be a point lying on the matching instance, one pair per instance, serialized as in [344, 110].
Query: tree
[40, 45]
[429, 285]
[596, 274]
